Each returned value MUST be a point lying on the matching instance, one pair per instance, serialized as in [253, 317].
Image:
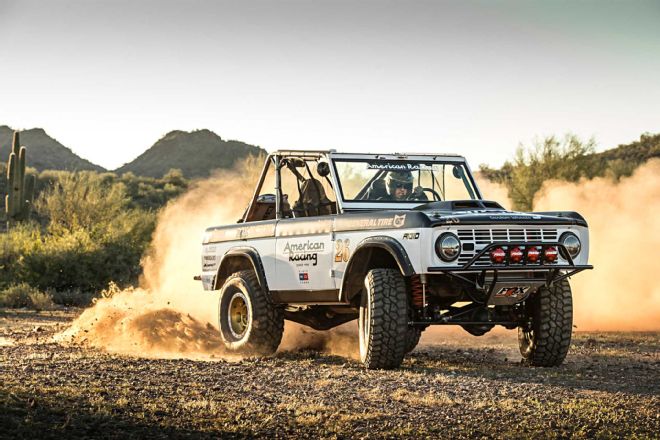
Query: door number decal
[342, 250]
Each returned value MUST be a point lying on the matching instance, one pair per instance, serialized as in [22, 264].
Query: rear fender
[240, 258]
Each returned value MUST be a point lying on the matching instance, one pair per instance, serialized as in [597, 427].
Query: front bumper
[489, 279]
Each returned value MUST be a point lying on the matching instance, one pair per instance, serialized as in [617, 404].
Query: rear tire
[412, 338]
[383, 320]
[544, 341]
[250, 324]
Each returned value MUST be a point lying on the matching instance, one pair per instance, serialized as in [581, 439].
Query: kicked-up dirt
[452, 386]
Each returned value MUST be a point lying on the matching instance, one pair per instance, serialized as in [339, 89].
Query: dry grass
[608, 388]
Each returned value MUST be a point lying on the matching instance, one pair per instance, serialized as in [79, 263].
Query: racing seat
[313, 200]
[376, 191]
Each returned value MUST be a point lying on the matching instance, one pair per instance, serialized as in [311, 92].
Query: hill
[44, 152]
[636, 152]
[195, 153]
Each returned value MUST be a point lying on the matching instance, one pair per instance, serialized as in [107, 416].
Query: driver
[399, 185]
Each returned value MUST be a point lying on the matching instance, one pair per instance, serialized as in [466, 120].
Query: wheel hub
[239, 317]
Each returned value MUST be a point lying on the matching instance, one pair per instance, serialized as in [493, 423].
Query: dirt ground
[452, 386]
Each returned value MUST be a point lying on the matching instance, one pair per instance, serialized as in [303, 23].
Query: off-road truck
[397, 241]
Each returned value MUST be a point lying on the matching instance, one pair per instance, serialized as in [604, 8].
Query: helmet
[398, 179]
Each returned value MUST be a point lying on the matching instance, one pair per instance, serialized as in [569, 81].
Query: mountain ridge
[196, 153]
[44, 152]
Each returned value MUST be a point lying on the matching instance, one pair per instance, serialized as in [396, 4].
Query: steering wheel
[436, 196]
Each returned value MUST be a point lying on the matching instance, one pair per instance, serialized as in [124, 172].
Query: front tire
[250, 324]
[383, 320]
[544, 340]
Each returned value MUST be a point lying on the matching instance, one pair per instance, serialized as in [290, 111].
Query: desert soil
[452, 386]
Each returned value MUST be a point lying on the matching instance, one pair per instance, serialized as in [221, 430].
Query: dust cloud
[621, 293]
[340, 341]
[493, 191]
[170, 315]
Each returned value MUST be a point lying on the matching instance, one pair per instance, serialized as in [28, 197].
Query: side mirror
[323, 169]
[457, 172]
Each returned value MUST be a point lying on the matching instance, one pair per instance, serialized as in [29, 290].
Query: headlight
[448, 247]
[571, 243]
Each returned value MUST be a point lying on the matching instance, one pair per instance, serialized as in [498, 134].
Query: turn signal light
[550, 254]
[533, 254]
[516, 255]
[497, 255]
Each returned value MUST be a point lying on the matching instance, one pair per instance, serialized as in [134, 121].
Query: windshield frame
[395, 204]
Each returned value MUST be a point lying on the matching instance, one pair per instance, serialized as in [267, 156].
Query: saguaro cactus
[20, 188]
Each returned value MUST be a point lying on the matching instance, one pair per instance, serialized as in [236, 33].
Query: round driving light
[497, 256]
[448, 247]
[533, 254]
[516, 255]
[550, 254]
[571, 243]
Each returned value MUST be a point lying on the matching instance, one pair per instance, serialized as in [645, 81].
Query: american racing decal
[307, 251]
[512, 292]
[398, 166]
[342, 250]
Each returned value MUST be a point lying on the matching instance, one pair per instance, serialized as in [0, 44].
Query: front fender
[360, 262]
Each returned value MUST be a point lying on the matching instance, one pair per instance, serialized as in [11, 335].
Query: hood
[474, 212]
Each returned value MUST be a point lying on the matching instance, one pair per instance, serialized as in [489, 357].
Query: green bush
[92, 237]
[72, 298]
[550, 158]
[24, 295]
[567, 159]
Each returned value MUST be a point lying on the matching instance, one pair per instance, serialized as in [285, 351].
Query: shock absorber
[417, 292]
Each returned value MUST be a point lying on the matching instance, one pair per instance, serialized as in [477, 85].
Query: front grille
[483, 237]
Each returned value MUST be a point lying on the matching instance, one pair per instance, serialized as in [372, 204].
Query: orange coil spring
[416, 291]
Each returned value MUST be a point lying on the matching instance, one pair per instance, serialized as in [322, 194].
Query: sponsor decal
[342, 250]
[452, 220]
[411, 236]
[512, 292]
[401, 166]
[375, 223]
[303, 277]
[306, 251]
[514, 217]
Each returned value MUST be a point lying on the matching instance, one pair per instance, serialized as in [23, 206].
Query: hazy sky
[107, 79]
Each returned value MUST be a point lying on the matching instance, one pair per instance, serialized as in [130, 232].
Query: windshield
[403, 181]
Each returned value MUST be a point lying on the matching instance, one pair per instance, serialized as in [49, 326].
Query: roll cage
[298, 163]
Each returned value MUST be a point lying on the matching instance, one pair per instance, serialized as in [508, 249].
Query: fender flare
[389, 244]
[245, 252]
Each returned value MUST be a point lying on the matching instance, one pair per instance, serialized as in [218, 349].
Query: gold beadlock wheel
[250, 324]
[239, 316]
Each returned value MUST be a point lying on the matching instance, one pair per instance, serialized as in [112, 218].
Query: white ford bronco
[399, 242]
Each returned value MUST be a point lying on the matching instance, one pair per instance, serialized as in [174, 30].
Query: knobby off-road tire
[383, 320]
[412, 338]
[250, 324]
[545, 342]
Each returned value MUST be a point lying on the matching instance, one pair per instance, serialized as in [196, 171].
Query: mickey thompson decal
[307, 251]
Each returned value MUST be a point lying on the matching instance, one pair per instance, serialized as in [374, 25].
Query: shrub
[72, 298]
[41, 301]
[550, 158]
[24, 295]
